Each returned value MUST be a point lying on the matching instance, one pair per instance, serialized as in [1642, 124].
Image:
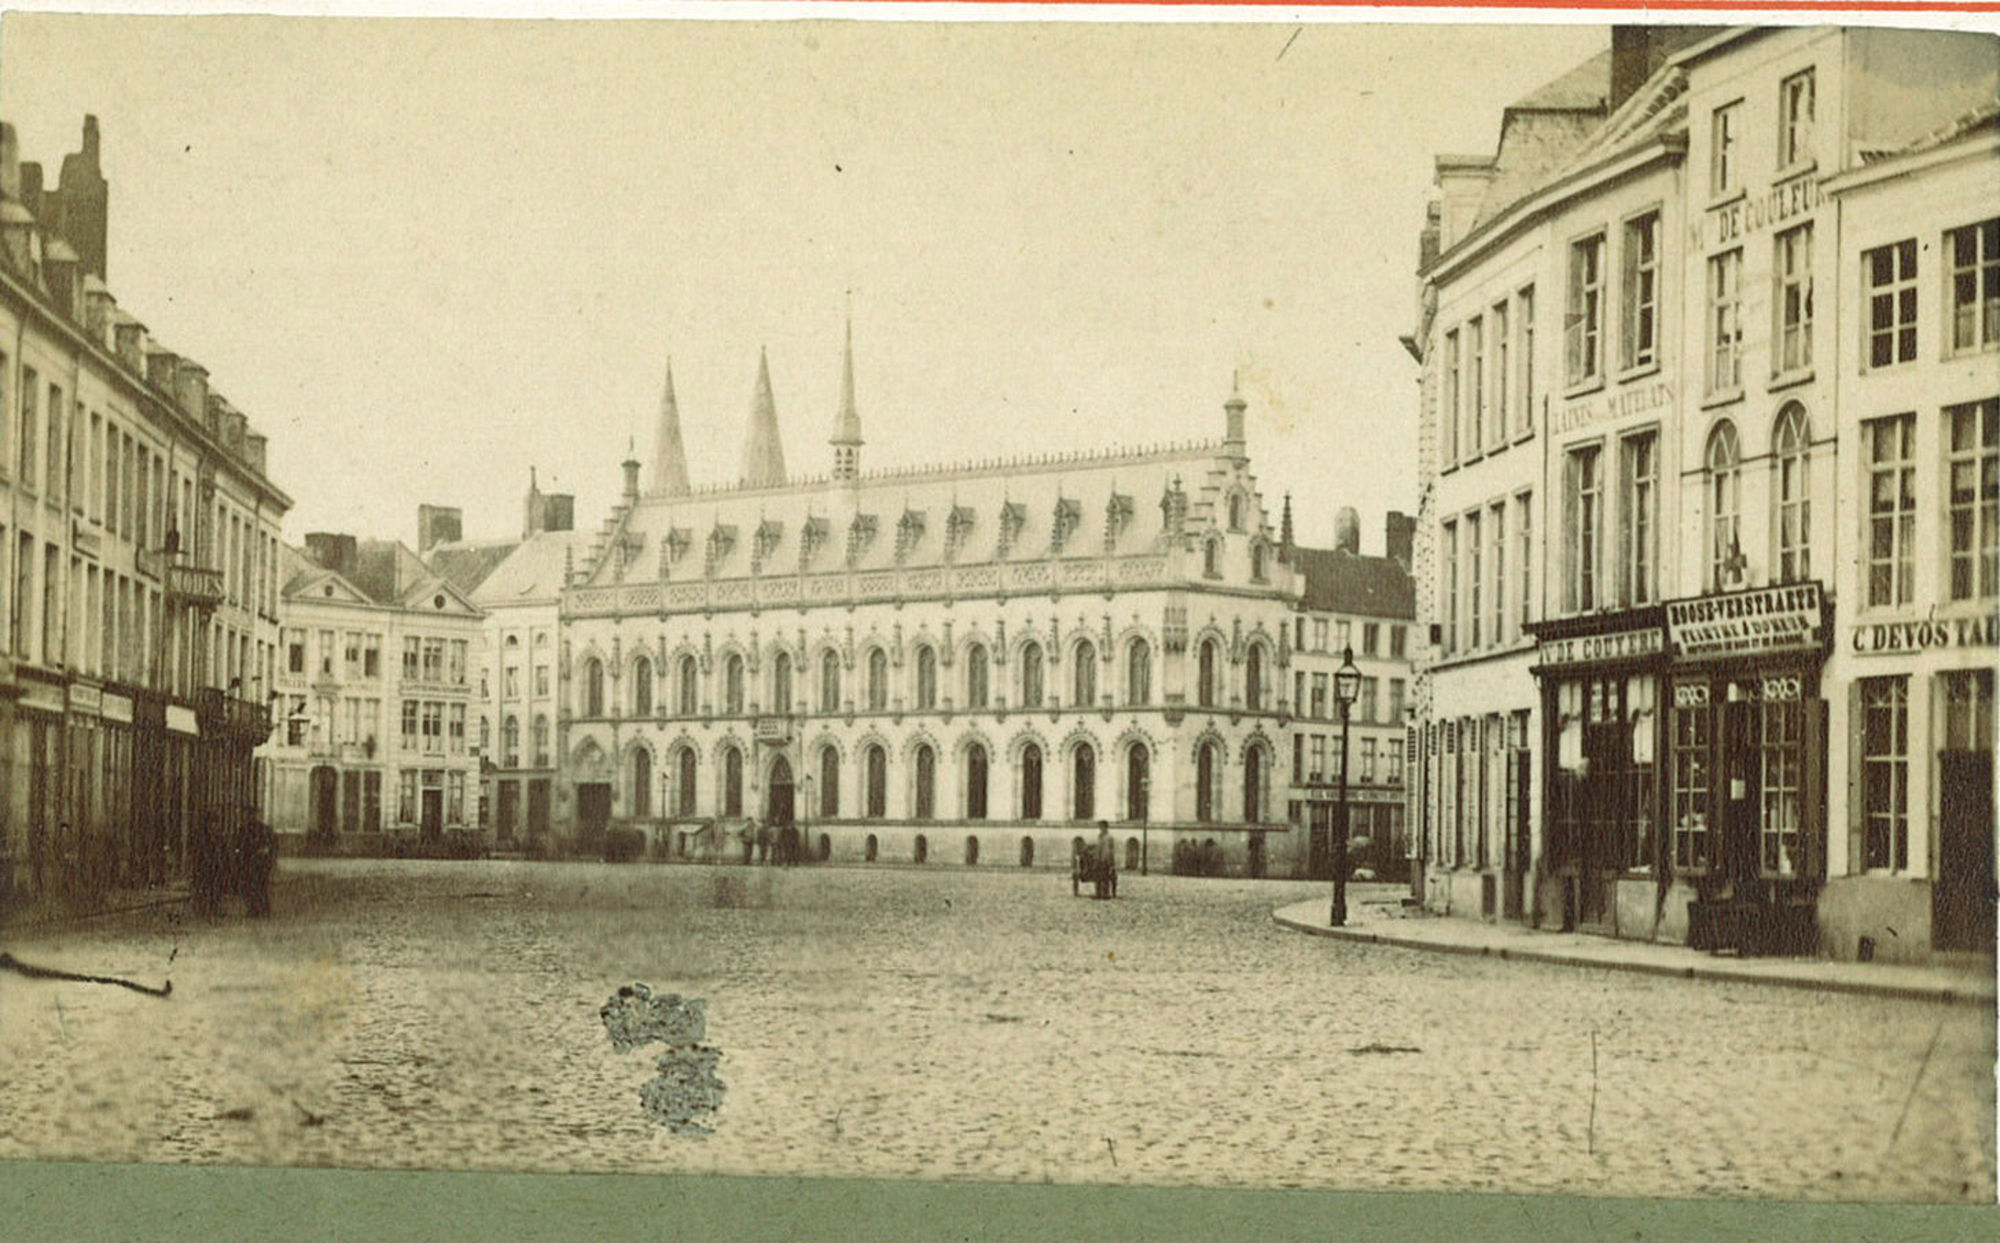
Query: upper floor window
[1499, 426]
[1890, 272]
[593, 687]
[1723, 136]
[1211, 558]
[1371, 637]
[1639, 323]
[1496, 535]
[1253, 678]
[1449, 588]
[926, 677]
[1791, 442]
[1139, 672]
[1474, 561]
[1725, 322]
[1583, 322]
[1235, 511]
[1084, 675]
[1524, 314]
[1206, 673]
[1975, 499]
[975, 676]
[1724, 462]
[1975, 285]
[1031, 676]
[690, 687]
[1638, 516]
[1890, 445]
[1475, 385]
[878, 679]
[642, 687]
[829, 681]
[1793, 272]
[732, 685]
[781, 684]
[1448, 416]
[1524, 556]
[1795, 113]
[1583, 500]
[1257, 561]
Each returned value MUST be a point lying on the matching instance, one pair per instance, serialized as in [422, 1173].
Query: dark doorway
[325, 801]
[1137, 774]
[1257, 856]
[778, 809]
[1319, 846]
[433, 824]
[593, 808]
[1515, 901]
[509, 817]
[538, 807]
[1963, 897]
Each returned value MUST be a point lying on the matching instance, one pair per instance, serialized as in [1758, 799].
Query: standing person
[38, 856]
[1104, 857]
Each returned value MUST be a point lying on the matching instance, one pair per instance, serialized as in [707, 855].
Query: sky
[425, 255]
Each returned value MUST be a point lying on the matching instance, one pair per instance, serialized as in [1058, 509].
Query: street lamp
[1346, 689]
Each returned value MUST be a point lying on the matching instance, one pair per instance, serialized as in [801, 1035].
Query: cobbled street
[960, 1024]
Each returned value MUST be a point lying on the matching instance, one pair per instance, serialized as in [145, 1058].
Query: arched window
[1253, 678]
[1725, 507]
[878, 679]
[829, 783]
[1083, 779]
[690, 687]
[593, 687]
[1205, 681]
[878, 782]
[485, 735]
[1031, 782]
[926, 677]
[732, 685]
[1235, 512]
[975, 676]
[539, 732]
[510, 743]
[781, 685]
[975, 782]
[732, 782]
[1084, 676]
[1253, 785]
[1138, 776]
[1211, 558]
[642, 687]
[1138, 672]
[1204, 783]
[642, 782]
[1031, 676]
[1257, 562]
[1791, 488]
[926, 783]
[829, 681]
[685, 803]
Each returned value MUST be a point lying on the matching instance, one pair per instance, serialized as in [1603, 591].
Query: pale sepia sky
[422, 255]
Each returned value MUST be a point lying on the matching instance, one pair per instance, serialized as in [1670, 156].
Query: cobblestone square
[974, 1024]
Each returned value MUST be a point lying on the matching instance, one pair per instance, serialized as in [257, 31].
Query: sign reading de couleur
[1590, 648]
[1770, 619]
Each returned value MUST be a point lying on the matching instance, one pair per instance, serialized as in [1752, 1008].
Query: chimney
[631, 468]
[62, 273]
[31, 187]
[191, 388]
[10, 162]
[333, 551]
[1347, 530]
[559, 511]
[256, 450]
[160, 370]
[129, 340]
[438, 524]
[1399, 533]
[81, 198]
[1637, 52]
[100, 311]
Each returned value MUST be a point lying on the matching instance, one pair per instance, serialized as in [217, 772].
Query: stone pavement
[1385, 923]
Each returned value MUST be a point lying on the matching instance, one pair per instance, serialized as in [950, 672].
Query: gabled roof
[385, 574]
[1338, 581]
[1588, 85]
[532, 570]
[466, 565]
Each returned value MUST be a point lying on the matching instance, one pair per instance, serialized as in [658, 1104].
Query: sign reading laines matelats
[1747, 623]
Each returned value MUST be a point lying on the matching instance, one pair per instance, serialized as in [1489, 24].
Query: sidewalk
[34, 916]
[1381, 924]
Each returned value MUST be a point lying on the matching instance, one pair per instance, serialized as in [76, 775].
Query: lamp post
[1346, 689]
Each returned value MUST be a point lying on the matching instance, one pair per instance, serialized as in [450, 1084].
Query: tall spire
[1232, 439]
[1285, 531]
[846, 440]
[670, 470]
[763, 456]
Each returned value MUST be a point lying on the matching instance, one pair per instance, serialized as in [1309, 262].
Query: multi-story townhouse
[139, 541]
[1363, 608]
[1688, 685]
[971, 663]
[377, 682]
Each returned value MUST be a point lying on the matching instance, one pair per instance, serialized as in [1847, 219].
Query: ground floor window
[1885, 763]
[1604, 780]
[1692, 735]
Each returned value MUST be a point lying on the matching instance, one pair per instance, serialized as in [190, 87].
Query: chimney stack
[333, 551]
[438, 524]
[1399, 536]
[1347, 530]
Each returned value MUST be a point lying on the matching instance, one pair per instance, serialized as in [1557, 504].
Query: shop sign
[1876, 638]
[181, 720]
[1636, 400]
[87, 699]
[1750, 215]
[117, 708]
[41, 695]
[1592, 648]
[1769, 619]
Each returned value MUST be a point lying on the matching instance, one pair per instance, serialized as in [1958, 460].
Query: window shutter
[1813, 798]
[1856, 811]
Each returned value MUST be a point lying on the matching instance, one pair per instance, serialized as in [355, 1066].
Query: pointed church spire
[847, 425]
[670, 471]
[763, 456]
[1285, 531]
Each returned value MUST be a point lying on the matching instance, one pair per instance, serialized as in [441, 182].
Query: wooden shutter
[1812, 799]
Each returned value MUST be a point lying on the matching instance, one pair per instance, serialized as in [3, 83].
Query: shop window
[1974, 252]
[1974, 468]
[1885, 760]
[1791, 443]
[1892, 508]
[1724, 479]
[1605, 772]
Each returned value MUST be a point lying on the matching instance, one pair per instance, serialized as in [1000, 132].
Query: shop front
[1600, 678]
[1744, 854]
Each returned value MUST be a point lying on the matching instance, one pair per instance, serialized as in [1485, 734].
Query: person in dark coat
[257, 859]
[1104, 861]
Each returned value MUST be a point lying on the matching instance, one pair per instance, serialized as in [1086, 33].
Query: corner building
[1636, 707]
[965, 664]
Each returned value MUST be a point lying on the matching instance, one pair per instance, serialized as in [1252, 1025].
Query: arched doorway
[1138, 772]
[778, 811]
